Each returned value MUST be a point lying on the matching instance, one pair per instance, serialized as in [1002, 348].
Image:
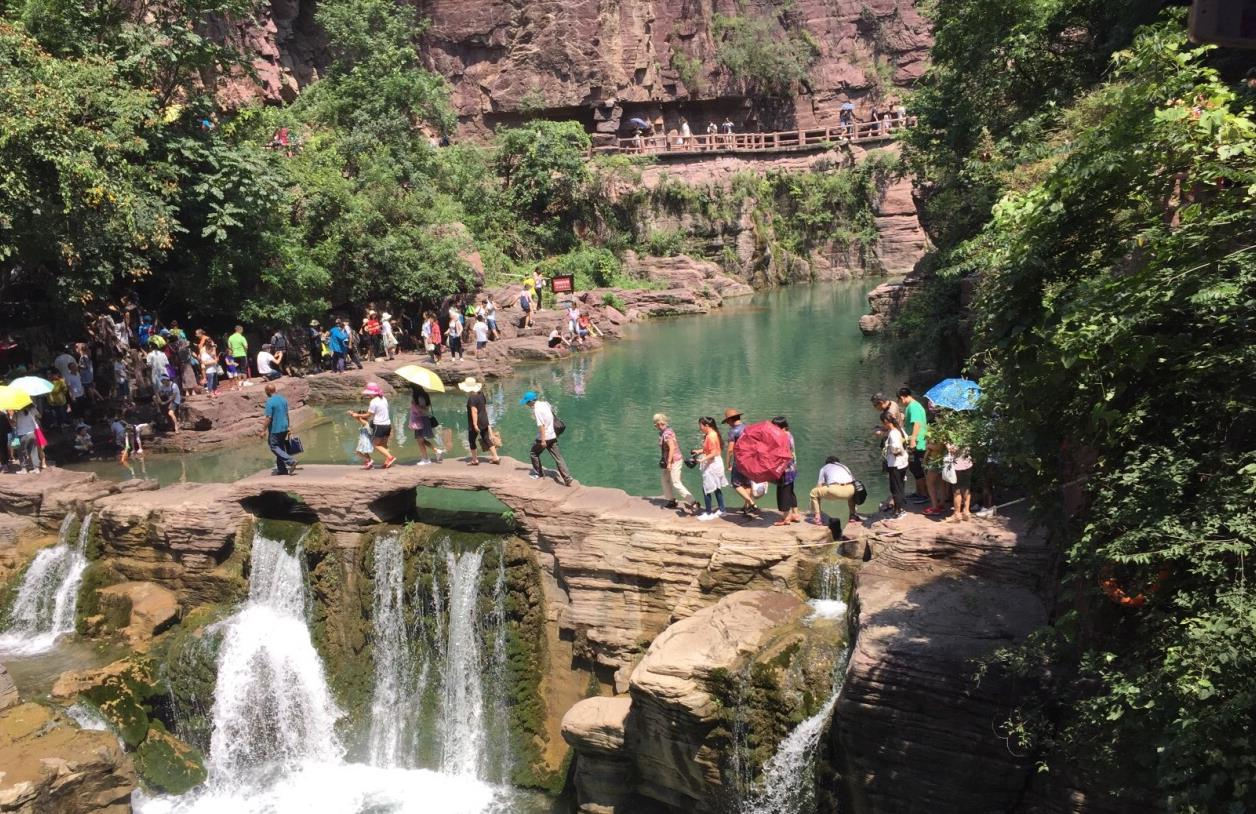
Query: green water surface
[794, 351]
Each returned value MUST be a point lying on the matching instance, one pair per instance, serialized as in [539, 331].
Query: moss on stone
[99, 574]
[186, 661]
[167, 764]
[122, 699]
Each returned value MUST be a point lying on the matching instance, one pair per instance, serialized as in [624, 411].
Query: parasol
[762, 452]
[32, 385]
[417, 374]
[639, 123]
[12, 398]
[955, 394]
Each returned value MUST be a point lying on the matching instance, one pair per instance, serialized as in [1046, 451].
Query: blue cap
[528, 398]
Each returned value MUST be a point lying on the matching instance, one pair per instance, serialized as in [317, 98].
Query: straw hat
[372, 389]
[470, 385]
[385, 316]
[731, 415]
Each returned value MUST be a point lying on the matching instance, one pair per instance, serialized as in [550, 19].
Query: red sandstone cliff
[604, 61]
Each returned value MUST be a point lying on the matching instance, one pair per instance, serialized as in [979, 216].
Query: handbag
[295, 447]
[495, 436]
[40, 438]
[559, 427]
[948, 470]
[861, 492]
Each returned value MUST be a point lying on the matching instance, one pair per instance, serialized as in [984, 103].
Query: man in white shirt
[546, 438]
[156, 360]
[480, 329]
[837, 482]
[62, 362]
[268, 364]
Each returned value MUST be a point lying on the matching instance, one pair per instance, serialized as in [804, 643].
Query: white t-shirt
[896, 450]
[490, 309]
[544, 420]
[481, 331]
[831, 474]
[265, 363]
[74, 383]
[378, 408]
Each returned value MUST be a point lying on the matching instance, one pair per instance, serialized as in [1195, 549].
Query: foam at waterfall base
[338, 788]
[827, 609]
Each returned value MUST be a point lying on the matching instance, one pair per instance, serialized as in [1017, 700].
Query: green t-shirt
[238, 345]
[916, 415]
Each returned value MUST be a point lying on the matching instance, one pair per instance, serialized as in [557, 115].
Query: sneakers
[987, 512]
[534, 476]
[705, 516]
[424, 462]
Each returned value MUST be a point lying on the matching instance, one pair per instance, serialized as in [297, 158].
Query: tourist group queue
[902, 427]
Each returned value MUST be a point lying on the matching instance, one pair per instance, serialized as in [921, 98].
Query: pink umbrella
[762, 452]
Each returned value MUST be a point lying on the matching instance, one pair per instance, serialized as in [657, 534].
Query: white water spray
[462, 689]
[47, 598]
[788, 784]
[394, 663]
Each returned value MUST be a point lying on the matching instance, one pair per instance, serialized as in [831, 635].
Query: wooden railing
[783, 141]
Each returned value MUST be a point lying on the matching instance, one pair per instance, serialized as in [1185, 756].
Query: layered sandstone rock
[139, 610]
[8, 692]
[911, 721]
[48, 764]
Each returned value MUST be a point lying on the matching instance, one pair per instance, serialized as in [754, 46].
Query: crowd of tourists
[941, 473]
[132, 373]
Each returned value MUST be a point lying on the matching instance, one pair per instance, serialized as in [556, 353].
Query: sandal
[496, 461]
[781, 523]
[368, 465]
[388, 464]
[473, 463]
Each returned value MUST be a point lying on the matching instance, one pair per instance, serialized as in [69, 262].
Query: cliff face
[604, 61]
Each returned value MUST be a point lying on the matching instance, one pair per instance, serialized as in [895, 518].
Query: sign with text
[563, 284]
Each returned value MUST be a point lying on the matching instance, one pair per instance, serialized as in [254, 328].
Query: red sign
[563, 284]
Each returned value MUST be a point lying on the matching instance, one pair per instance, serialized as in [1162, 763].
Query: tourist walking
[454, 334]
[896, 458]
[538, 289]
[208, 355]
[670, 462]
[338, 343]
[480, 330]
[275, 430]
[525, 305]
[238, 346]
[314, 345]
[423, 423]
[835, 482]
[478, 428]
[156, 361]
[740, 482]
[351, 347]
[25, 423]
[786, 499]
[711, 462]
[372, 335]
[546, 438]
[490, 316]
[388, 336]
[167, 399]
[916, 424]
[377, 413]
[432, 336]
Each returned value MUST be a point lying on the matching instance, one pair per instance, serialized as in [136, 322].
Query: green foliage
[1113, 322]
[689, 69]
[768, 57]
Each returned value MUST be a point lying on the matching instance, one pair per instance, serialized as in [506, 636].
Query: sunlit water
[795, 351]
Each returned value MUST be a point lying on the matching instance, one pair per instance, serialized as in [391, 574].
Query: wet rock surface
[911, 721]
[48, 764]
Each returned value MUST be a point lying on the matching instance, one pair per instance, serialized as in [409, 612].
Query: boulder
[139, 610]
[674, 713]
[603, 775]
[48, 764]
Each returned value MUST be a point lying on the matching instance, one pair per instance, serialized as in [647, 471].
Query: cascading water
[496, 674]
[394, 664]
[272, 708]
[462, 689]
[47, 598]
[788, 784]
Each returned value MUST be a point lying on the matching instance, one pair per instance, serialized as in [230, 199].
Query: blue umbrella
[847, 106]
[955, 394]
[32, 386]
[641, 123]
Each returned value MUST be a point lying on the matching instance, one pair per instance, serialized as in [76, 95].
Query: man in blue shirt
[338, 344]
[275, 431]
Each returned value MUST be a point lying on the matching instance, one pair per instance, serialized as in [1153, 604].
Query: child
[364, 447]
[83, 440]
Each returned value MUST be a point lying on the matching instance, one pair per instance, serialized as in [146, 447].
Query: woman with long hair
[895, 462]
[711, 461]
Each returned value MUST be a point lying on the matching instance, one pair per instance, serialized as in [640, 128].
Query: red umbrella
[762, 452]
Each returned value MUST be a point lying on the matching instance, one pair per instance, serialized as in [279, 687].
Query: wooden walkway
[737, 143]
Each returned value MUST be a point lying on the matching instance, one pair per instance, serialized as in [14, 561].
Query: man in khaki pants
[836, 482]
[670, 461]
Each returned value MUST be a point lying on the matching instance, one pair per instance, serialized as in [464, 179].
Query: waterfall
[393, 660]
[495, 684]
[788, 784]
[47, 598]
[462, 690]
[272, 707]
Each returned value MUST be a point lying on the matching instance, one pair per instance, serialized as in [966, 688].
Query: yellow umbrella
[417, 374]
[12, 398]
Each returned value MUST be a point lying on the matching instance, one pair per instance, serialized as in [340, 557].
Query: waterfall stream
[462, 689]
[788, 783]
[47, 598]
[394, 663]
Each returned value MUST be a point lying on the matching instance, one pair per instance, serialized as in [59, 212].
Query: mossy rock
[187, 672]
[167, 764]
[121, 698]
[99, 574]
